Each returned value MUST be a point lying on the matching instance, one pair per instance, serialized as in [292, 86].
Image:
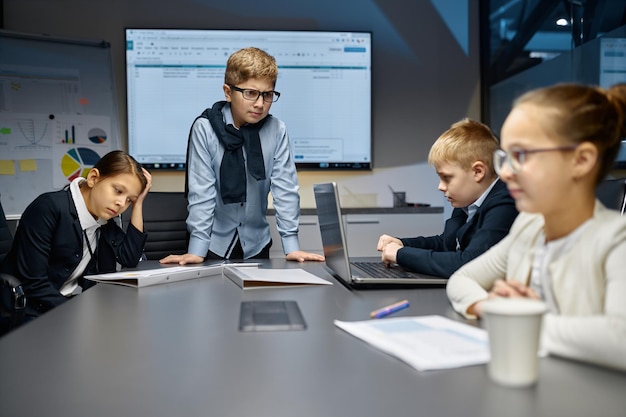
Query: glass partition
[535, 43]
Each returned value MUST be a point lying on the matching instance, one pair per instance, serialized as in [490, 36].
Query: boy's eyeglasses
[515, 157]
[253, 95]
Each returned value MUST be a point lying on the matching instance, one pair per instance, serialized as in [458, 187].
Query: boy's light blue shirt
[211, 223]
[473, 208]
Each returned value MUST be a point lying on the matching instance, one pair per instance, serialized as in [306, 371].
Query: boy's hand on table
[302, 256]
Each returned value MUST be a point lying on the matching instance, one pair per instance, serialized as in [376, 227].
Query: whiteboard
[58, 113]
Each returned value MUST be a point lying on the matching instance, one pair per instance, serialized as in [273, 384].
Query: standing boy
[237, 154]
[483, 209]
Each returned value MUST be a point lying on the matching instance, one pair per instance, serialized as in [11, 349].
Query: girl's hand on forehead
[148, 185]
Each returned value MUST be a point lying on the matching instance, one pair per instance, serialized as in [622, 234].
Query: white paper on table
[262, 277]
[424, 342]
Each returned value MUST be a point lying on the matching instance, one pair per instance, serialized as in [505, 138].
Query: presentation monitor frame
[325, 81]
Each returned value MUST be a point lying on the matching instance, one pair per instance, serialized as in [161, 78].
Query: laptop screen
[331, 229]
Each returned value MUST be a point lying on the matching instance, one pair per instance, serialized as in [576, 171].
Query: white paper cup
[514, 327]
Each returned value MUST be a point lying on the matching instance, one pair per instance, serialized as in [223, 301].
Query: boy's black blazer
[438, 255]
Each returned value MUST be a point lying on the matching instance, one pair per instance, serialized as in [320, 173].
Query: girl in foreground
[64, 235]
[565, 247]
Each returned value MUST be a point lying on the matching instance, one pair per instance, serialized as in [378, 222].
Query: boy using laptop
[237, 154]
[483, 209]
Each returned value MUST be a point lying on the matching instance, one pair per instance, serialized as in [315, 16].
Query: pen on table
[385, 311]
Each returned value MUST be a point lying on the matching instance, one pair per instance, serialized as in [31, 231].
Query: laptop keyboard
[379, 270]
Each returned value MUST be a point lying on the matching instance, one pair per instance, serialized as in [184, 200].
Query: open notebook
[356, 272]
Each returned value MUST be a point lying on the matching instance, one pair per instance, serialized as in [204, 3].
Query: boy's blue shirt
[211, 223]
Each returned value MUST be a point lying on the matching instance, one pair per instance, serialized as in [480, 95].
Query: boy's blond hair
[250, 63]
[464, 143]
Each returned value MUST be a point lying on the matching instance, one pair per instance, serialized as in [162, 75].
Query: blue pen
[385, 311]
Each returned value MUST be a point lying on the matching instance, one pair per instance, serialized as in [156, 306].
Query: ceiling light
[562, 22]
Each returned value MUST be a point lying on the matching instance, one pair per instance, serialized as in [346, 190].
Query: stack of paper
[144, 278]
[246, 275]
[426, 342]
[260, 277]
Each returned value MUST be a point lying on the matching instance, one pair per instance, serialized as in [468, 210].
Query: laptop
[356, 272]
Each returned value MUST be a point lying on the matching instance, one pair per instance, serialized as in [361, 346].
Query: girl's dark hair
[580, 113]
[119, 162]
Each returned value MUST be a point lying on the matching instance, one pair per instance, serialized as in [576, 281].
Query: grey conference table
[175, 350]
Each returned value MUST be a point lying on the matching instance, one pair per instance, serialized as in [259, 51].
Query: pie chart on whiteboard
[77, 162]
[97, 135]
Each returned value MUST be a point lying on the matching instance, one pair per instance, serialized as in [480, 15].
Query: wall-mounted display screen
[325, 81]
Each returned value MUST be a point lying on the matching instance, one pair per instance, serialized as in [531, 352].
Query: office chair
[12, 299]
[165, 221]
[612, 193]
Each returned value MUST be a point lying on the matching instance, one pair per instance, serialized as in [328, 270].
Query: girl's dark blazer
[48, 245]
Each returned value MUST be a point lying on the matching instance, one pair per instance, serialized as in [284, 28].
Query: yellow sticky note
[28, 165]
[7, 167]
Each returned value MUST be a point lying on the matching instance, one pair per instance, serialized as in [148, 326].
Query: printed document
[263, 278]
[424, 342]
